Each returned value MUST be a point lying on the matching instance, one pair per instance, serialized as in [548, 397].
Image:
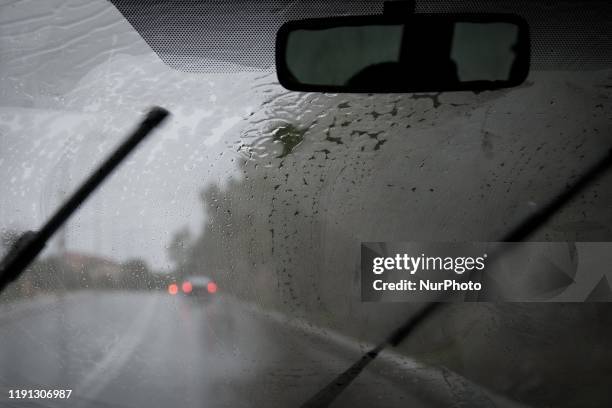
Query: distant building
[96, 269]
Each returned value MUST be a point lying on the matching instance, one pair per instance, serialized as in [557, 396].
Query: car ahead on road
[200, 287]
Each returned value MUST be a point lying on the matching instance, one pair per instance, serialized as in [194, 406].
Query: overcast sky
[76, 78]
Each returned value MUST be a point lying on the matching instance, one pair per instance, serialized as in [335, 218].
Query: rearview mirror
[421, 53]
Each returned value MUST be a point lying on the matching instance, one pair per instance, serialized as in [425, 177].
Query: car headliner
[225, 36]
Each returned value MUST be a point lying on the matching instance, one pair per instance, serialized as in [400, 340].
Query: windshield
[219, 265]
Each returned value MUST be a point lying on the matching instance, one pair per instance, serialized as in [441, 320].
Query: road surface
[126, 349]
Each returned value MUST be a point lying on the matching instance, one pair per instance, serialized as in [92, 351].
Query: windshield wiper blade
[30, 244]
[325, 396]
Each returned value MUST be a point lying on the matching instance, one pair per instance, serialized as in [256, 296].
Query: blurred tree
[136, 275]
[179, 248]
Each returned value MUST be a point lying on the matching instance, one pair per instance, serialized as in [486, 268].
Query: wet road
[154, 350]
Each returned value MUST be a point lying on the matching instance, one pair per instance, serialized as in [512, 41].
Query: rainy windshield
[219, 265]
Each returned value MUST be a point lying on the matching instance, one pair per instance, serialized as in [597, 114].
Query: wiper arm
[522, 231]
[31, 243]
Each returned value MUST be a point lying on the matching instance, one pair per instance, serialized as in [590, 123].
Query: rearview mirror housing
[418, 53]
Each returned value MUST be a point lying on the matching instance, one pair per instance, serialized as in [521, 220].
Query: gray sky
[74, 82]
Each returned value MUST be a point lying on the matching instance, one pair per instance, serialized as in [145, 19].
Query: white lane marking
[454, 381]
[106, 369]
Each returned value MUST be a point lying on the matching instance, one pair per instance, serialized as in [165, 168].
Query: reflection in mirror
[484, 51]
[422, 54]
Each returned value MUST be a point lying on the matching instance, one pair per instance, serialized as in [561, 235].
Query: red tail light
[173, 289]
[211, 287]
[187, 287]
